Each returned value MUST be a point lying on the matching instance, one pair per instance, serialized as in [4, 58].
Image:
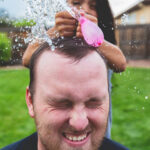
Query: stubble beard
[48, 141]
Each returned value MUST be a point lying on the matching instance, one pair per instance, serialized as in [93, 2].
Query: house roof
[121, 6]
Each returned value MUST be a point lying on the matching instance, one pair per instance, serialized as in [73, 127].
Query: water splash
[43, 12]
[124, 19]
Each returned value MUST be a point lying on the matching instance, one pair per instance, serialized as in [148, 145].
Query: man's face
[71, 102]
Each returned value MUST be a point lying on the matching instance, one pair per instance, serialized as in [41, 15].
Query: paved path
[139, 63]
[12, 67]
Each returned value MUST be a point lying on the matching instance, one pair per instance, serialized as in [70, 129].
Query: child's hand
[65, 24]
[89, 17]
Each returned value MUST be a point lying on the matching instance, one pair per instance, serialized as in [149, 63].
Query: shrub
[5, 48]
[5, 22]
[23, 23]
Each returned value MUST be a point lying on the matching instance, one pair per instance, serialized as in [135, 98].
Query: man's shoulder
[111, 145]
[27, 143]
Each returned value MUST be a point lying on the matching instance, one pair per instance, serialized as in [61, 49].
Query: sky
[14, 7]
[17, 7]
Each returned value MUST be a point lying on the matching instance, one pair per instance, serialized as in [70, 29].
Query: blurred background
[132, 20]
[131, 89]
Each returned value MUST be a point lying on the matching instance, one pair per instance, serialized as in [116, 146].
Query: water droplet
[61, 46]
[52, 48]
[43, 12]
[16, 40]
[14, 46]
[146, 97]
[124, 19]
[143, 108]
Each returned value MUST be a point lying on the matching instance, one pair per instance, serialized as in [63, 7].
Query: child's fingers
[59, 21]
[67, 33]
[65, 24]
[63, 14]
[79, 32]
[78, 28]
[54, 33]
[67, 28]
[90, 17]
[79, 35]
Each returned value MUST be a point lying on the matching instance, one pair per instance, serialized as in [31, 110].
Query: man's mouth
[76, 138]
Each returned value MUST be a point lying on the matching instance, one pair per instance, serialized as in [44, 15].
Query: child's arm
[112, 54]
[28, 53]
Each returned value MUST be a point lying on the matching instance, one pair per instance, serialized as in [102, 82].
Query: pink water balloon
[92, 34]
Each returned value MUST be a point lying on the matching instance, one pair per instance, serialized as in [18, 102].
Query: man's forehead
[57, 72]
[51, 64]
[53, 59]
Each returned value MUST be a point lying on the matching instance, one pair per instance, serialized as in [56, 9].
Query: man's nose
[78, 119]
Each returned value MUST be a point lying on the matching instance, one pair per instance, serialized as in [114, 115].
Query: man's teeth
[76, 138]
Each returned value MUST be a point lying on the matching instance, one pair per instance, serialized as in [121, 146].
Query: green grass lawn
[130, 98]
[131, 108]
[15, 122]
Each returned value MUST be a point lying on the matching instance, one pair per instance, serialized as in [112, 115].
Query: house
[133, 27]
[133, 12]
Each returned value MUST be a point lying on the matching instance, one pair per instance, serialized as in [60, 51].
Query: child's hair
[106, 20]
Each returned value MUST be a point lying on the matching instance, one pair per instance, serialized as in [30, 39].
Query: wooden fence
[134, 40]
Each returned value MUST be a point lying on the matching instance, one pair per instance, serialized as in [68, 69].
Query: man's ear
[29, 102]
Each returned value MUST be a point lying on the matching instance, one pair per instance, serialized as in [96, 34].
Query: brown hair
[106, 20]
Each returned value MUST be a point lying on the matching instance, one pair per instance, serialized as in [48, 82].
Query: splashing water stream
[43, 13]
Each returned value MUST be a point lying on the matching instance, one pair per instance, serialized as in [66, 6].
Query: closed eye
[93, 103]
[62, 104]
[76, 3]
